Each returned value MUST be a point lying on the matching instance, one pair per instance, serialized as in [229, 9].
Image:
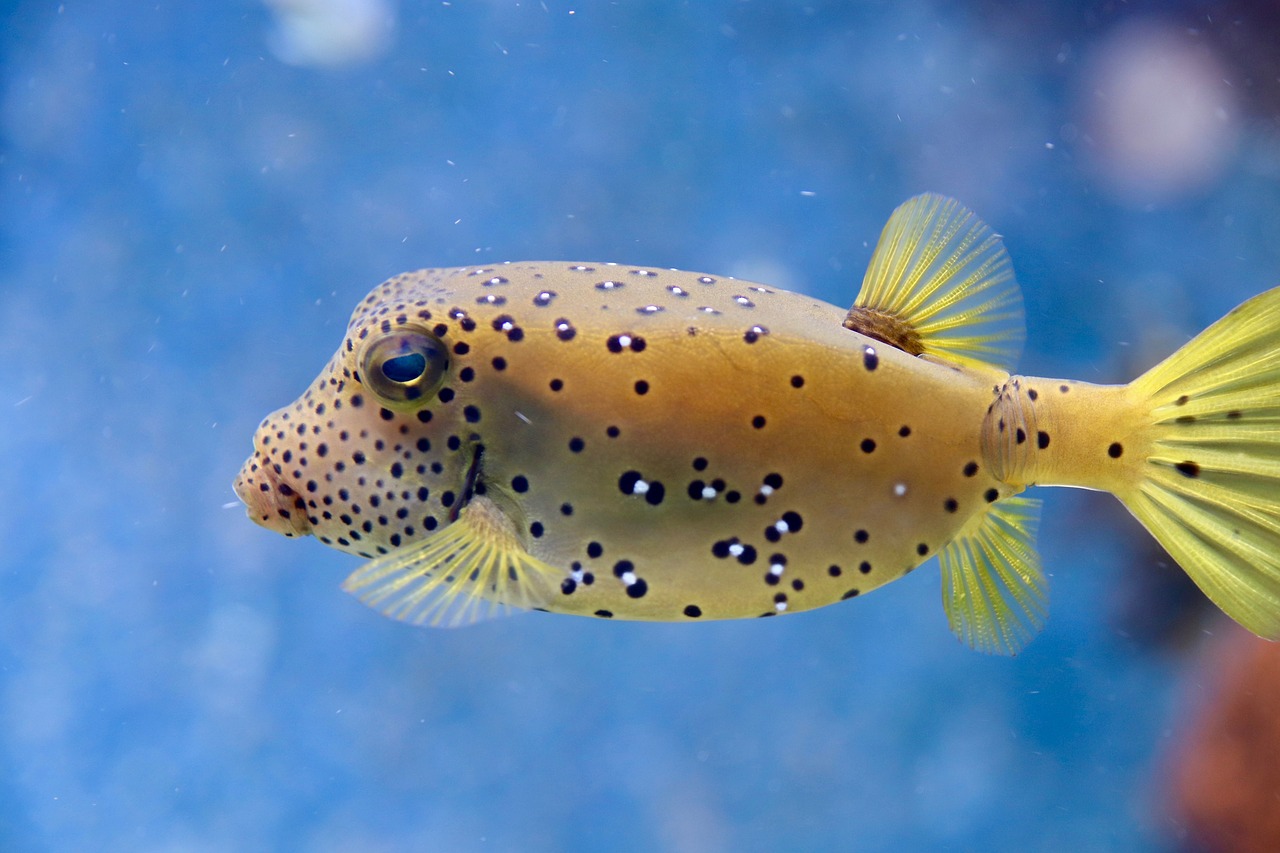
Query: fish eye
[404, 366]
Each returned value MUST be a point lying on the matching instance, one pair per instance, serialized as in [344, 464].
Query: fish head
[369, 458]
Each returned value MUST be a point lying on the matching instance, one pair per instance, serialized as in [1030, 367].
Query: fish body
[637, 443]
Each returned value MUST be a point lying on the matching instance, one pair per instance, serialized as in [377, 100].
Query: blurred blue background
[192, 203]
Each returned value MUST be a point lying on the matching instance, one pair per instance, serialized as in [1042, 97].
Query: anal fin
[474, 569]
[993, 590]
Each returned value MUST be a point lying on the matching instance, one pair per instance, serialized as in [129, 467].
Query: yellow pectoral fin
[940, 283]
[995, 595]
[474, 569]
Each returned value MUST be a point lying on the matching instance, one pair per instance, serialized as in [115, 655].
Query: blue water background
[187, 222]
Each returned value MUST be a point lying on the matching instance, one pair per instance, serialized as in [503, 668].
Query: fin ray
[474, 569]
[993, 590]
[940, 282]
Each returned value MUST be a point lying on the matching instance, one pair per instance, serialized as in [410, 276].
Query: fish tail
[1204, 474]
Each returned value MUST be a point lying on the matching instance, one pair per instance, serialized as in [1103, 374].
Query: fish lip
[280, 507]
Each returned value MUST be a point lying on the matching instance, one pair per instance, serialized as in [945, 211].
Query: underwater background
[193, 201]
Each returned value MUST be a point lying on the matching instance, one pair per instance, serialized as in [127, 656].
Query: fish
[634, 443]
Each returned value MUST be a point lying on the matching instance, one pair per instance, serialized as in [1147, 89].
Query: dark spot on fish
[904, 431]
[970, 469]
[950, 505]
[1182, 401]
[700, 463]
[853, 593]
[556, 384]
[576, 444]
[693, 611]
[861, 537]
[1042, 439]
[642, 387]
[922, 549]
[869, 358]
[1188, 469]
[1021, 435]
[604, 614]
[520, 483]
[991, 495]
[758, 422]
[868, 445]
[1115, 450]
[797, 381]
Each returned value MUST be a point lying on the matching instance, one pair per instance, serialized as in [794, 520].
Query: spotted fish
[633, 443]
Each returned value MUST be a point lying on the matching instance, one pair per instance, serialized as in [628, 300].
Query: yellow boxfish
[633, 443]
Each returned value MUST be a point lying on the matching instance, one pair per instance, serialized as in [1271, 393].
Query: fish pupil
[404, 368]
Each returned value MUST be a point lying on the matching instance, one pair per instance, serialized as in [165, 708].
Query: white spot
[900, 489]
[491, 298]
[706, 279]
[560, 327]
[677, 290]
[776, 569]
[640, 488]
[706, 309]
[744, 301]
[507, 325]
[650, 309]
[643, 272]
[577, 575]
[624, 340]
[766, 490]
[522, 416]
[736, 549]
[780, 606]
[628, 578]
[708, 492]
[781, 526]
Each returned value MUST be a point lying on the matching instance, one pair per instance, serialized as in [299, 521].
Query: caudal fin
[1209, 489]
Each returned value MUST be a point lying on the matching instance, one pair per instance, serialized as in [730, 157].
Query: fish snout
[269, 500]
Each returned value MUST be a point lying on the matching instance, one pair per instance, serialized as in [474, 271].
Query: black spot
[656, 493]
[773, 481]
[700, 464]
[1032, 395]
[520, 483]
[922, 549]
[868, 445]
[748, 555]
[556, 384]
[1188, 469]
[861, 537]
[950, 505]
[612, 432]
[991, 495]
[793, 520]
[1231, 416]
[461, 348]
[564, 330]
[1021, 435]
[604, 614]
[771, 533]
[834, 570]
[904, 431]
[1042, 439]
[397, 470]
[568, 585]
[970, 469]
[797, 585]
[424, 445]
[1182, 401]
[695, 489]
[1115, 450]
[1186, 419]
[758, 422]
[627, 482]
[853, 593]
[693, 611]
[721, 549]
[621, 567]
[797, 381]
[472, 414]
[357, 457]
[614, 344]
[637, 344]
[424, 416]
[642, 387]
[387, 414]
[466, 374]
[454, 442]
[445, 395]
[1064, 388]
[637, 589]
[566, 509]
[869, 358]
[864, 567]
[594, 550]
[536, 530]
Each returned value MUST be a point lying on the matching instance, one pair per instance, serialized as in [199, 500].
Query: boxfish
[629, 442]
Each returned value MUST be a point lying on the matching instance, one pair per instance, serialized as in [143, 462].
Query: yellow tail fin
[1209, 489]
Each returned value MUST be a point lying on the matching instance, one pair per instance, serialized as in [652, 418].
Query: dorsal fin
[474, 569]
[940, 282]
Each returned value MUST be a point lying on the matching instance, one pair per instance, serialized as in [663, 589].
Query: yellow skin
[637, 443]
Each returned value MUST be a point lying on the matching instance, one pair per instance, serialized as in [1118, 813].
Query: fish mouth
[270, 501]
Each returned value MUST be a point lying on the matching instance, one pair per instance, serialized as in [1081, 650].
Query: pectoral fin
[474, 569]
